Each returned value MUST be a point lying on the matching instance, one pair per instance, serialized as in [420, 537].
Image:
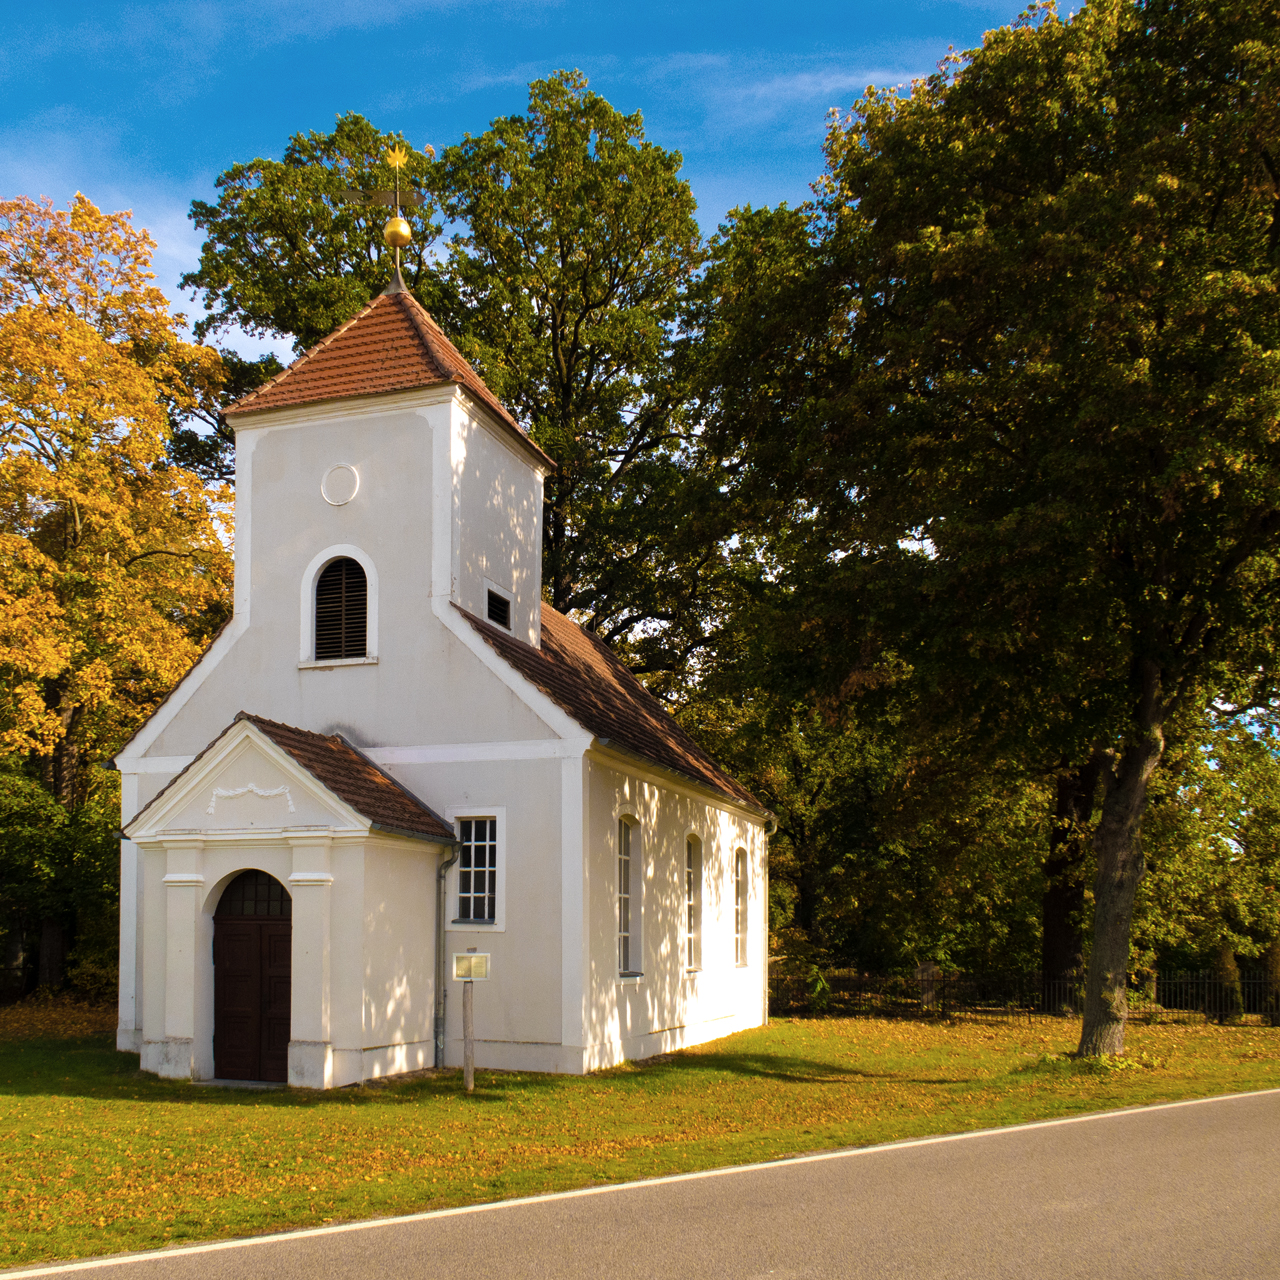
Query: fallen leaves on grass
[1068, 1063]
[60, 1017]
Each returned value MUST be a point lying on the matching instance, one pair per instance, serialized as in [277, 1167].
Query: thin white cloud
[705, 102]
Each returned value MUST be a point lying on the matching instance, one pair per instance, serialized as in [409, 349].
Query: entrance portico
[250, 808]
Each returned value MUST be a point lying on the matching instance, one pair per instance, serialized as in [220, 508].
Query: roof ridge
[254, 718]
[421, 320]
[434, 338]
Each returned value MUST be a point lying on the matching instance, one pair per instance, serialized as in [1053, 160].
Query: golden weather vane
[397, 233]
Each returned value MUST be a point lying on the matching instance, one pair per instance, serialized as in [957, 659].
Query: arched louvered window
[342, 608]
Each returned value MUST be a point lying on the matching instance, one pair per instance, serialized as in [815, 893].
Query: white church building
[395, 753]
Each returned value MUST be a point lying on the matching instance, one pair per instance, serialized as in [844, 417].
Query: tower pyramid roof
[392, 345]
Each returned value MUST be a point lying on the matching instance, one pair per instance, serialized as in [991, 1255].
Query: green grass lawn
[98, 1158]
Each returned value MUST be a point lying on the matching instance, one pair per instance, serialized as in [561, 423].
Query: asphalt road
[1185, 1190]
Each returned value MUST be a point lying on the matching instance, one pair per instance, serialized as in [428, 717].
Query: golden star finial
[397, 157]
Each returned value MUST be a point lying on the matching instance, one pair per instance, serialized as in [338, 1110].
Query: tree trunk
[1271, 960]
[15, 965]
[60, 770]
[1061, 909]
[1120, 867]
[1230, 996]
[53, 953]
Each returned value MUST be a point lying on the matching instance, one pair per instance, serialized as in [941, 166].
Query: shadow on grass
[784, 1068]
[94, 1068]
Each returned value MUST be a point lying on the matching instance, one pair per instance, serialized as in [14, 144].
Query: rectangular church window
[692, 903]
[477, 870]
[628, 903]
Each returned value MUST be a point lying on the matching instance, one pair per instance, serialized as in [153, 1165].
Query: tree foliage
[288, 253]
[114, 571]
[201, 440]
[577, 246]
[1211, 841]
[1040, 386]
[59, 877]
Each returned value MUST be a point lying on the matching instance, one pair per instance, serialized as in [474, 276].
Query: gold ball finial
[397, 233]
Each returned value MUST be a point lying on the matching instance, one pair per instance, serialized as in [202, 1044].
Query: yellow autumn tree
[113, 572]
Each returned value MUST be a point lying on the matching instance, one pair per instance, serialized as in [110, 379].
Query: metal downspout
[440, 955]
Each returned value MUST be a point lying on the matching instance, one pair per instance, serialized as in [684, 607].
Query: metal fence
[1163, 997]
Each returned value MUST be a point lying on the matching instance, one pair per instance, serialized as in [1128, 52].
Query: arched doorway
[252, 973]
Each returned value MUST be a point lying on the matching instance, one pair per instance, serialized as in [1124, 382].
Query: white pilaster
[184, 893]
[310, 1038]
[129, 1025]
[574, 932]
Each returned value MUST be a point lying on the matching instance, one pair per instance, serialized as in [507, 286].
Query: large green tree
[574, 244]
[579, 242]
[1047, 371]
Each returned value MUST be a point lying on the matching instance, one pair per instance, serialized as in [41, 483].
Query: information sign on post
[469, 967]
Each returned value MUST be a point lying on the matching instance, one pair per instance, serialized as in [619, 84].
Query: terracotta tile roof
[339, 767]
[333, 761]
[392, 345]
[583, 677]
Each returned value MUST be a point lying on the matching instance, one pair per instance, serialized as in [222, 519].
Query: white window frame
[741, 906]
[307, 638]
[691, 897]
[454, 815]
[509, 597]
[635, 897]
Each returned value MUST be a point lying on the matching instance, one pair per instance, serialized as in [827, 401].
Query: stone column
[184, 892]
[310, 1043]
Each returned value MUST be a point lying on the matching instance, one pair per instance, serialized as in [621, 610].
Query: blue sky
[140, 105]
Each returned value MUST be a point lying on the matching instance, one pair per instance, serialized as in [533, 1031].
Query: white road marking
[67, 1268]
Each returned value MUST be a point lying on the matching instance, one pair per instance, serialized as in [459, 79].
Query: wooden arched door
[252, 974]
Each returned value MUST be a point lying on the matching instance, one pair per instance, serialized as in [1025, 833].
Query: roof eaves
[399, 786]
[621, 749]
[426, 836]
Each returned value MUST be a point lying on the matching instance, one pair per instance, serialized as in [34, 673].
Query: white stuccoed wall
[669, 1007]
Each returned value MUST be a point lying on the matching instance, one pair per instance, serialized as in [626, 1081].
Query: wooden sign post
[469, 968]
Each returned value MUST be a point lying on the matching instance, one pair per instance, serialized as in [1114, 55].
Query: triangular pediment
[244, 783]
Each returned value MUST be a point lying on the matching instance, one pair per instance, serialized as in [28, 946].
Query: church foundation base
[311, 1064]
[171, 1058]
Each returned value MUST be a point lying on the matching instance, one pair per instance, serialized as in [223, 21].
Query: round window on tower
[341, 483]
